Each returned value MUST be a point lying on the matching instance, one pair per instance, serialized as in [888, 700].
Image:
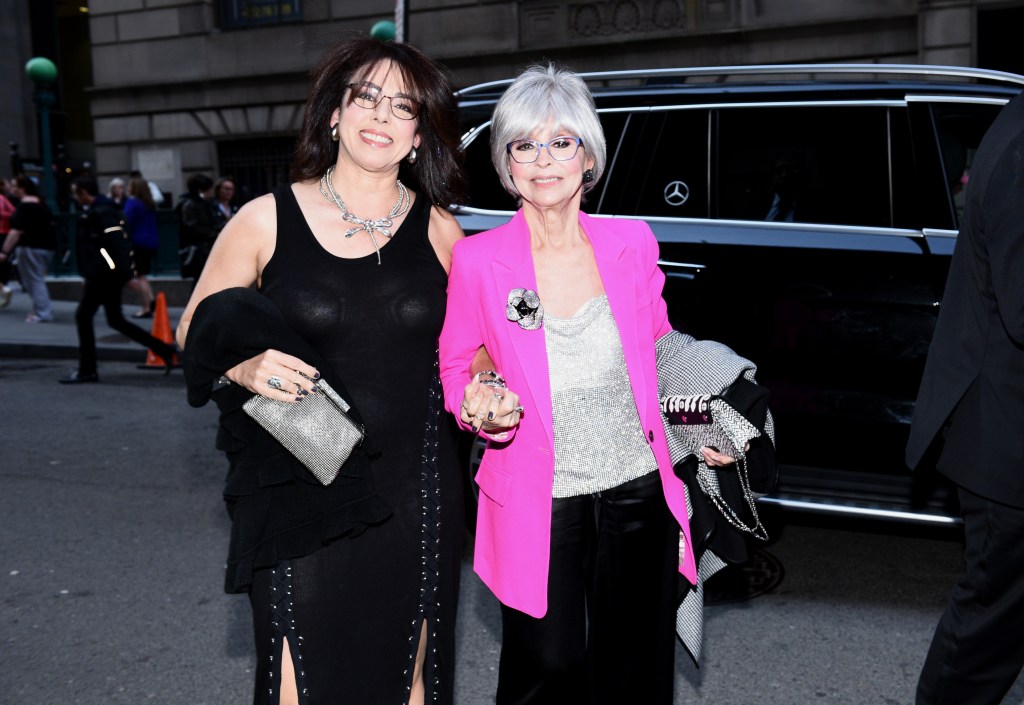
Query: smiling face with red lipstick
[547, 167]
[378, 120]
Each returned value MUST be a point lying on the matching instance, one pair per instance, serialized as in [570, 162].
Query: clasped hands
[488, 404]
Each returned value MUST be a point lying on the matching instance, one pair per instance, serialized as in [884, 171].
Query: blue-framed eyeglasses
[562, 148]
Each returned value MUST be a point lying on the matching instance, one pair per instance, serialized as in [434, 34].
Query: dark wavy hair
[197, 183]
[438, 169]
[27, 185]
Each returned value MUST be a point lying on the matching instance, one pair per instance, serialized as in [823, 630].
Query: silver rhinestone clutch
[706, 420]
[317, 430]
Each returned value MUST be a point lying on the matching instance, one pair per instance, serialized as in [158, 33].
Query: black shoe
[167, 354]
[77, 377]
[146, 313]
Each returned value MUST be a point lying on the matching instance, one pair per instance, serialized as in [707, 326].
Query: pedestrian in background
[6, 211]
[100, 223]
[198, 223]
[154, 190]
[580, 511]
[32, 232]
[116, 192]
[224, 199]
[969, 421]
[140, 217]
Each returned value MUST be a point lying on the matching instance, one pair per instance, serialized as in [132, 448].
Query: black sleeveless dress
[352, 610]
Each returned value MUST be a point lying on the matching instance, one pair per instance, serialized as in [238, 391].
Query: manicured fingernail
[490, 416]
[298, 397]
[316, 388]
[316, 375]
[302, 392]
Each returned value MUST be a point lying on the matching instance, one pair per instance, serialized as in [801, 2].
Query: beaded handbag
[317, 429]
[706, 420]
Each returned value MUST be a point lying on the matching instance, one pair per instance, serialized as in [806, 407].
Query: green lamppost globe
[383, 30]
[43, 73]
[41, 70]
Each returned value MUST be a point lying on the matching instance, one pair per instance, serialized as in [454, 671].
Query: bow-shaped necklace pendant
[370, 225]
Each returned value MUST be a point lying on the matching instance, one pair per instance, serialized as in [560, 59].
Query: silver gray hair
[542, 94]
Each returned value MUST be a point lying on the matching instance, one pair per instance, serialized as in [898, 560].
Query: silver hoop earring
[334, 133]
[412, 156]
[588, 176]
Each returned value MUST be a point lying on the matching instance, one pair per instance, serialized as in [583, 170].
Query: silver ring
[498, 397]
[275, 382]
[479, 417]
[518, 409]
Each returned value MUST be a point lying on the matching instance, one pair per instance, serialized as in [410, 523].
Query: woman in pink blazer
[582, 523]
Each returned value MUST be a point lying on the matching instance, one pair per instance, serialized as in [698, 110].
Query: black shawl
[278, 509]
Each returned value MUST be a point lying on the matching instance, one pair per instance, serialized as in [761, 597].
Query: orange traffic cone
[162, 331]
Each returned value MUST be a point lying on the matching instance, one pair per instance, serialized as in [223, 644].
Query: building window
[239, 14]
[257, 166]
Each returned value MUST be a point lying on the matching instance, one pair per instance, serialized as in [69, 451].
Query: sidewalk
[59, 338]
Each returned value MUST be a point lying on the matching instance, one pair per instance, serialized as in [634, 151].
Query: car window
[485, 190]
[614, 126]
[661, 169]
[960, 127]
[809, 164]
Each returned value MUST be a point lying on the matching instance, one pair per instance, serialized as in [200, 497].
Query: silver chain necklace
[381, 225]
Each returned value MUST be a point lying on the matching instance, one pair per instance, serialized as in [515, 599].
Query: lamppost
[43, 73]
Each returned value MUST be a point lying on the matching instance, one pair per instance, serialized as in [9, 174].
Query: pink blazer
[513, 529]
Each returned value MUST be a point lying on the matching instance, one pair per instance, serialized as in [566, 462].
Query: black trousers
[107, 293]
[609, 632]
[978, 648]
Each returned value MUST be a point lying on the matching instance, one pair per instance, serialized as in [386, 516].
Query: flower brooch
[524, 308]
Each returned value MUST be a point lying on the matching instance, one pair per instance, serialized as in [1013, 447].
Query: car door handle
[681, 270]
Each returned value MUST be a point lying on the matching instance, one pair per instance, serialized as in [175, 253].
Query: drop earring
[334, 133]
[412, 156]
[588, 176]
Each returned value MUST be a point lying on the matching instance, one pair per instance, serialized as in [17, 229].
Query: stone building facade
[186, 86]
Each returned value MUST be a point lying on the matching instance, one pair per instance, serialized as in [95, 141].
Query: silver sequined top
[599, 443]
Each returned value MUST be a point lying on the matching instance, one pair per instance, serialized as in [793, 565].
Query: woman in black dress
[354, 599]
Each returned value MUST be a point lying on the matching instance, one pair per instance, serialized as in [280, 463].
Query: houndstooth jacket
[687, 366]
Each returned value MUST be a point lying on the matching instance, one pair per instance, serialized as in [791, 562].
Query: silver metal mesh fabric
[315, 430]
[599, 443]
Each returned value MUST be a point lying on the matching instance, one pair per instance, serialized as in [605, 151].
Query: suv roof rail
[919, 70]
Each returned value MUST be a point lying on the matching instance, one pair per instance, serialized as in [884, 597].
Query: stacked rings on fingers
[275, 382]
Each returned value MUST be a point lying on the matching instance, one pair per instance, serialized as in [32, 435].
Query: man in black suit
[970, 419]
[100, 226]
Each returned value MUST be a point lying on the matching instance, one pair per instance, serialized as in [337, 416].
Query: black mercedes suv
[806, 215]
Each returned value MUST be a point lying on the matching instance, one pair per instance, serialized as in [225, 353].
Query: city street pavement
[59, 340]
[114, 538]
